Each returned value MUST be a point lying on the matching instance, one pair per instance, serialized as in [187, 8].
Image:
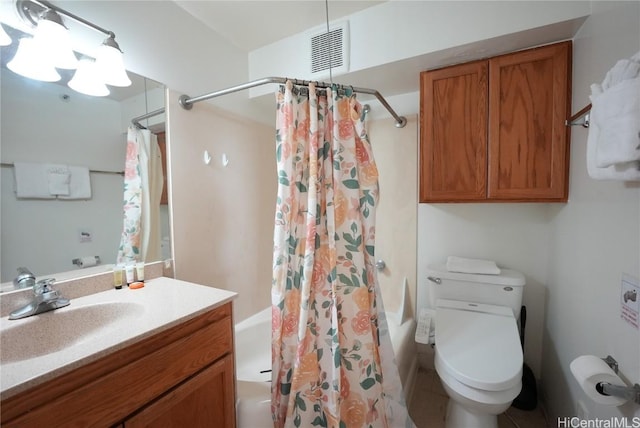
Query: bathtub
[253, 365]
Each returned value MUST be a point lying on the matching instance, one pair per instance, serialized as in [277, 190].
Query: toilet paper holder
[611, 362]
[630, 393]
[78, 261]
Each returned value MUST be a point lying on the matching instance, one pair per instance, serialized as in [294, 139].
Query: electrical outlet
[582, 412]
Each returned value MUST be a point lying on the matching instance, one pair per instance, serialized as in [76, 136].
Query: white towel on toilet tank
[465, 265]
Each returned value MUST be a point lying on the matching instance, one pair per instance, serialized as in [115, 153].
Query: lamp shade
[28, 62]
[5, 40]
[87, 80]
[54, 44]
[111, 65]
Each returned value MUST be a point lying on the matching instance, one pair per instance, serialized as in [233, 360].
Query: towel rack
[573, 120]
[96, 171]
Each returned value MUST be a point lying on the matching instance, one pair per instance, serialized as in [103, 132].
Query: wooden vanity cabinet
[183, 376]
[494, 130]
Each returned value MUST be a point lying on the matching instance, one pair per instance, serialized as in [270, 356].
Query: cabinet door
[528, 139]
[453, 141]
[206, 400]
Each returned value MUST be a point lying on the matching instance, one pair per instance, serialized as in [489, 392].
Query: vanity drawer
[107, 391]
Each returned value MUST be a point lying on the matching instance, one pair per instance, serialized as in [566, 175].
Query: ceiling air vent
[330, 50]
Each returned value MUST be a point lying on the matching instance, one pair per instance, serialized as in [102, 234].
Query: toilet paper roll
[588, 371]
[88, 261]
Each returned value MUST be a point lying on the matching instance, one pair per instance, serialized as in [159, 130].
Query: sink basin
[56, 330]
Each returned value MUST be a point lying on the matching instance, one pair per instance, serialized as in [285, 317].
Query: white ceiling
[252, 24]
[249, 25]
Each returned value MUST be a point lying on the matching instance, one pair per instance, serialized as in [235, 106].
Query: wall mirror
[50, 123]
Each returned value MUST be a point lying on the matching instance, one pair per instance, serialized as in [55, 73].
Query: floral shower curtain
[142, 191]
[332, 357]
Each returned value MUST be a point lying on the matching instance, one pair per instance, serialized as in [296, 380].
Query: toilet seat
[478, 345]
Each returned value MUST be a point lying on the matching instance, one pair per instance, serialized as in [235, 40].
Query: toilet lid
[481, 350]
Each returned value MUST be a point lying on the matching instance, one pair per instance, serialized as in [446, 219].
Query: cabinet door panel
[206, 400]
[528, 139]
[453, 133]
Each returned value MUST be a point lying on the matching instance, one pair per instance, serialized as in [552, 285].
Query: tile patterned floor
[428, 406]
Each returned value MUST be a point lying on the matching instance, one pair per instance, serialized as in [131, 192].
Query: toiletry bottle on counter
[140, 271]
[117, 277]
[129, 269]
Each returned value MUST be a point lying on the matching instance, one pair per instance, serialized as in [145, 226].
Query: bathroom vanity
[166, 360]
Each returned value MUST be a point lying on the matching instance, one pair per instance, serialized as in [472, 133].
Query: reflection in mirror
[49, 123]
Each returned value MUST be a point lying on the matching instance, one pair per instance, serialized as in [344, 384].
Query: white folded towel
[31, 180]
[627, 171]
[623, 70]
[464, 265]
[616, 113]
[58, 177]
[80, 183]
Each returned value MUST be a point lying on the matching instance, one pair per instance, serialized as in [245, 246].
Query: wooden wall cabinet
[183, 376]
[494, 130]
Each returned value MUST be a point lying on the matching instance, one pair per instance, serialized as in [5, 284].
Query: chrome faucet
[46, 299]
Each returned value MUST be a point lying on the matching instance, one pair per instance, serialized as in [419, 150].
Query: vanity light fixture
[50, 48]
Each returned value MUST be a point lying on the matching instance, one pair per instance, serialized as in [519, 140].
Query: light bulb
[111, 65]
[54, 42]
[29, 63]
[87, 80]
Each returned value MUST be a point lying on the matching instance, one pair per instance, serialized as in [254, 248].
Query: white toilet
[478, 355]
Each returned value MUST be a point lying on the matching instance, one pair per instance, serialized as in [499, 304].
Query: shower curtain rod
[136, 120]
[187, 102]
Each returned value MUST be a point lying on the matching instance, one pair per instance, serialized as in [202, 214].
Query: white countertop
[160, 304]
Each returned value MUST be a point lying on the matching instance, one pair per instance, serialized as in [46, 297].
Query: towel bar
[572, 121]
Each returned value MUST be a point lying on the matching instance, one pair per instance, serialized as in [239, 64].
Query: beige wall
[222, 217]
[396, 151]
[594, 239]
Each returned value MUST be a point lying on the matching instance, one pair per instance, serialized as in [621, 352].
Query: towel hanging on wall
[79, 183]
[58, 178]
[613, 145]
[31, 181]
[50, 181]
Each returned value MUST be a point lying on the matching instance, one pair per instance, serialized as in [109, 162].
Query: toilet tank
[504, 289]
